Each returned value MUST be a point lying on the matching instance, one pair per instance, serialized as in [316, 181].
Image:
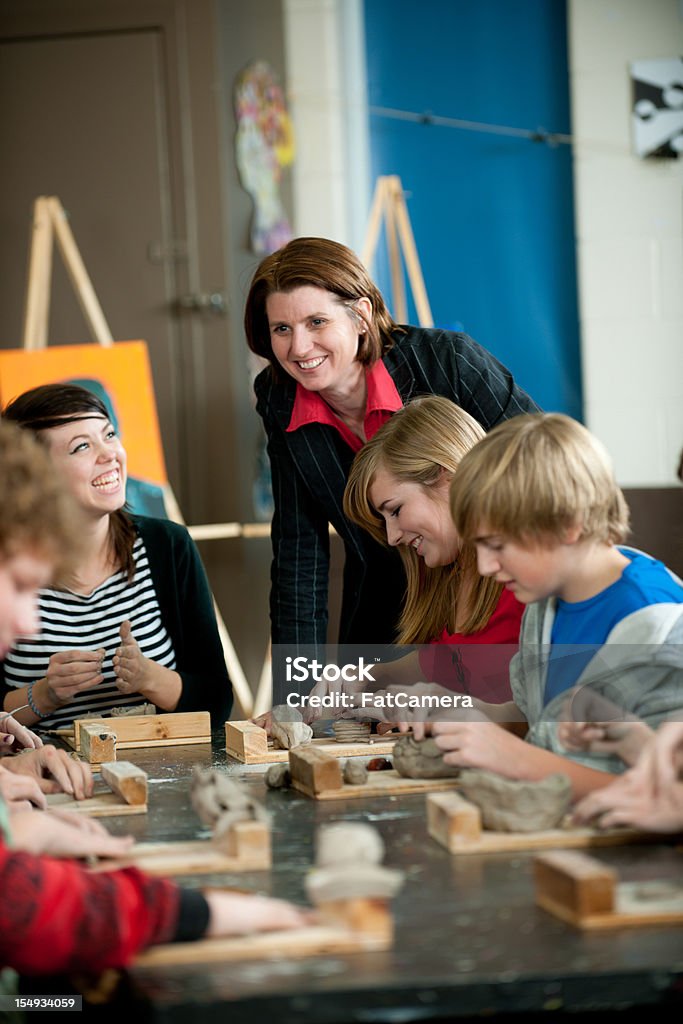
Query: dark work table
[469, 939]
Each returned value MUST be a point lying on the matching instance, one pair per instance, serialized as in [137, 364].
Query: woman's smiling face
[91, 460]
[314, 336]
[417, 515]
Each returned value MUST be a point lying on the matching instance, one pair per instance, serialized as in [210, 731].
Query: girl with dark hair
[132, 619]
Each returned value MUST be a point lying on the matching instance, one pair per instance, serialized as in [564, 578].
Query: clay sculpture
[421, 759]
[508, 805]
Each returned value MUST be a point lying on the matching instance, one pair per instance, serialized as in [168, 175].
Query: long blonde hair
[427, 436]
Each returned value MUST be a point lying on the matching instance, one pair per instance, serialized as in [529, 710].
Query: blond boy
[538, 498]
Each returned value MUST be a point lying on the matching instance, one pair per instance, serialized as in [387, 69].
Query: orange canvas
[122, 371]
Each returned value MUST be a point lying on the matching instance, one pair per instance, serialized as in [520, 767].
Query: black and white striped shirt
[72, 622]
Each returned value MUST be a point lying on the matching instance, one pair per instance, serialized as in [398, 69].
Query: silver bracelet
[32, 703]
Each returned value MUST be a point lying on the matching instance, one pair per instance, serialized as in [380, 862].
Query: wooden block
[97, 743]
[99, 806]
[574, 885]
[144, 730]
[126, 779]
[314, 771]
[580, 890]
[249, 841]
[246, 741]
[453, 821]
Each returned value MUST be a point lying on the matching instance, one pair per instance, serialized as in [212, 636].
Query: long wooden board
[316, 940]
[246, 848]
[318, 775]
[141, 730]
[249, 744]
[126, 792]
[101, 805]
[585, 893]
[130, 731]
[456, 824]
[386, 783]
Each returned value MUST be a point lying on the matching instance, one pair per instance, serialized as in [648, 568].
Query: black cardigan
[187, 612]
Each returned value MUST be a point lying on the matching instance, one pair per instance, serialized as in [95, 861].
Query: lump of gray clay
[361, 881]
[220, 802]
[278, 776]
[421, 759]
[352, 842]
[355, 773]
[349, 865]
[288, 728]
[508, 805]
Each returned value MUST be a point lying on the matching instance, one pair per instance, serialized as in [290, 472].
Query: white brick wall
[629, 228]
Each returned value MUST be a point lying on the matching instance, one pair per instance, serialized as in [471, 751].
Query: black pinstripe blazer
[310, 468]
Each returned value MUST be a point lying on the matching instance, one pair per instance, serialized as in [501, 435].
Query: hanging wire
[427, 118]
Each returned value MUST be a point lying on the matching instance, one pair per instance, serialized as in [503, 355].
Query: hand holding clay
[68, 673]
[631, 802]
[288, 728]
[623, 739]
[480, 744]
[592, 722]
[649, 796]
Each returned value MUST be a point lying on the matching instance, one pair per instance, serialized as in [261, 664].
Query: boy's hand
[623, 739]
[480, 744]
[631, 802]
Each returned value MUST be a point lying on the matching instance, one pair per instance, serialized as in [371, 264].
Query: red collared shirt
[383, 400]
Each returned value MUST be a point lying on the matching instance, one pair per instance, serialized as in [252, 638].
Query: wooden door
[101, 105]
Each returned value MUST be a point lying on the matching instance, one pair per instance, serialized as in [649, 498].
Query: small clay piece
[346, 730]
[288, 728]
[349, 865]
[355, 773]
[378, 764]
[348, 842]
[421, 759]
[220, 802]
[508, 805]
[278, 776]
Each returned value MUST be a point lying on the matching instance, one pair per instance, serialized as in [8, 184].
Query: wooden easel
[389, 205]
[50, 222]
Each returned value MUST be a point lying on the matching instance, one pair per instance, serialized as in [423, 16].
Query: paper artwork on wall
[657, 114]
[264, 145]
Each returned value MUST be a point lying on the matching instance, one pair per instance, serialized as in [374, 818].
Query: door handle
[203, 302]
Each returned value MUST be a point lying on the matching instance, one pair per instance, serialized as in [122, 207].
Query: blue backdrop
[492, 215]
